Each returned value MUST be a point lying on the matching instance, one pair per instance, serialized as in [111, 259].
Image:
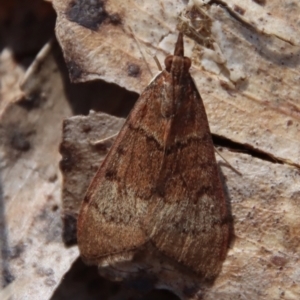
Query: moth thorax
[177, 64]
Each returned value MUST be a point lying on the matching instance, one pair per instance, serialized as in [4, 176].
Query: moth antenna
[157, 63]
[97, 142]
[228, 163]
[179, 50]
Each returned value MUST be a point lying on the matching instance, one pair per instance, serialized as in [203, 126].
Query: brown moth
[158, 190]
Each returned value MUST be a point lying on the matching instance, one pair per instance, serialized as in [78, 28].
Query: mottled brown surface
[159, 184]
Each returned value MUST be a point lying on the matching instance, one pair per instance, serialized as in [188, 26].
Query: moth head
[178, 62]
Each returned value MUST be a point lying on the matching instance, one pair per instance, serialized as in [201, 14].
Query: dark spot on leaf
[133, 70]
[67, 162]
[19, 141]
[239, 10]
[55, 207]
[101, 147]
[16, 251]
[279, 261]
[52, 178]
[260, 2]
[87, 13]
[8, 277]
[86, 128]
[115, 19]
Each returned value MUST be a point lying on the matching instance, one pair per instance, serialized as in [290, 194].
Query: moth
[158, 191]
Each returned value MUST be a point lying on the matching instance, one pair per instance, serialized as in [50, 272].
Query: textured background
[246, 66]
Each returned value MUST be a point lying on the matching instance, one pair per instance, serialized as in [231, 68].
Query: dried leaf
[251, 98]
[34, 257]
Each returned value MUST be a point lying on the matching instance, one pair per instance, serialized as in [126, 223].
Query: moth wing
[108, 222]
[190, 222]
[115, 209]
[190, 226]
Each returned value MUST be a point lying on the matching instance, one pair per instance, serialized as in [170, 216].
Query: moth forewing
[157, 199]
